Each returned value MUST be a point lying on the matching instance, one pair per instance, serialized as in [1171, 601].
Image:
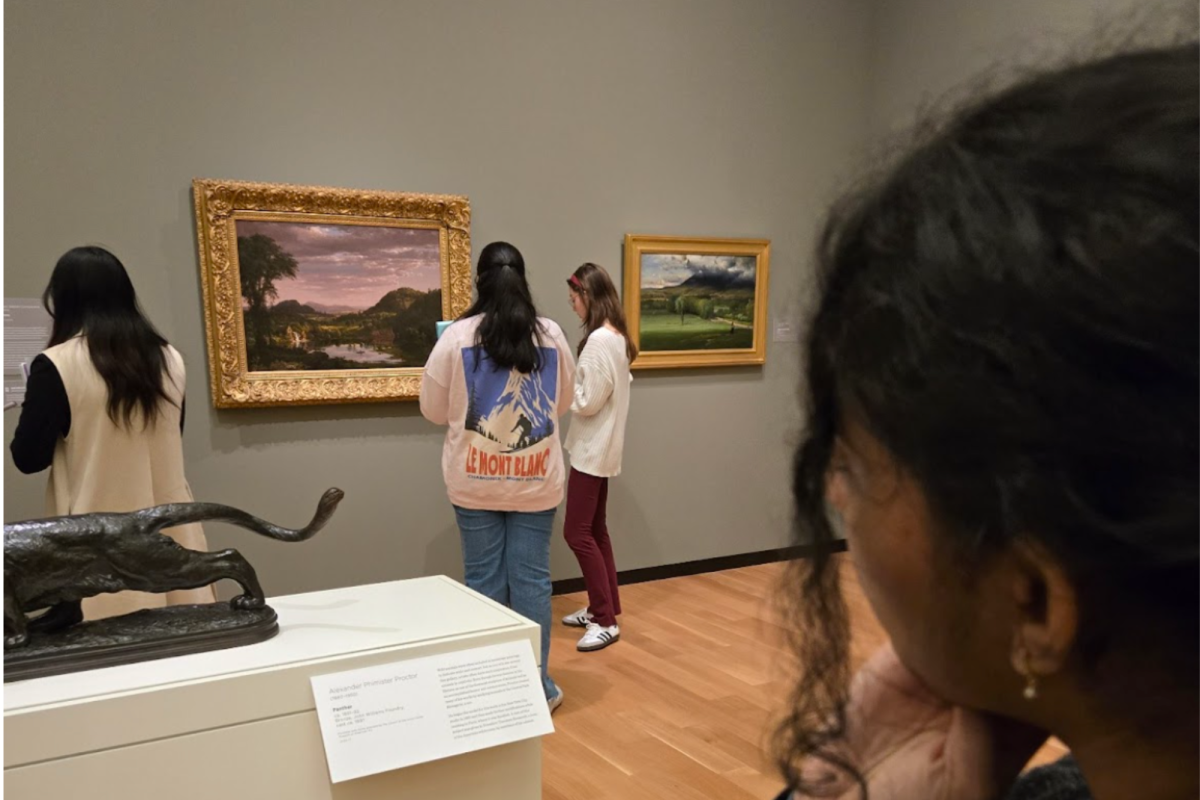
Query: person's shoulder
[74, 343]
[549, 325]
[72, 348]
[42, 366]
[462, 329]
[551, 328]
[609, 336]
[609, 341]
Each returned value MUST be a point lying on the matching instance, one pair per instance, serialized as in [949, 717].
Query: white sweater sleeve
[594, 380]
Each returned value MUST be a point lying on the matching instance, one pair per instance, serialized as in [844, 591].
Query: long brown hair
[603, 305]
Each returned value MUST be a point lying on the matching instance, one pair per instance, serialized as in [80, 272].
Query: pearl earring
[1031, 681]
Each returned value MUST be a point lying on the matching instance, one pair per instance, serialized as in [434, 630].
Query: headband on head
[575, 282]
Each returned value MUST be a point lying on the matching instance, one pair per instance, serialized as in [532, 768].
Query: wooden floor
[682, 706]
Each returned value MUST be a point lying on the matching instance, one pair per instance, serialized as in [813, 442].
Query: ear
[1047, 611]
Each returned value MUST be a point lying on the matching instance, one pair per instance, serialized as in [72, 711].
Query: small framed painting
[694, 302]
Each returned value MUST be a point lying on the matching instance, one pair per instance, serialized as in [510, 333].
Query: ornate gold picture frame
[318, 295]
[694, 302]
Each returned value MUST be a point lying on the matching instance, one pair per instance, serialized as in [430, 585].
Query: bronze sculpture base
[141, 636]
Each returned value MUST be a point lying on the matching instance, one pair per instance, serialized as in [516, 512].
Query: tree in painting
[329, 297]
[697, 302]
[261, 262]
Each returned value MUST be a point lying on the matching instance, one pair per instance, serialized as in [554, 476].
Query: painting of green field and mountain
[697, 301]
[338, 296]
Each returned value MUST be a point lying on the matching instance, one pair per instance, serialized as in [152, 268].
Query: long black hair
[509, 331]
[1012, 312]
[90, 293]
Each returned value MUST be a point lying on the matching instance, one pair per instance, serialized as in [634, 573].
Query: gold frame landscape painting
[696, 302]
[319, 295]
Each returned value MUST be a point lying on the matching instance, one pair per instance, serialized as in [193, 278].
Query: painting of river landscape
[321, 296]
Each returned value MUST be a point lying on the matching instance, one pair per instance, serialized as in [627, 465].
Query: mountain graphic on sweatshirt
[513, 409]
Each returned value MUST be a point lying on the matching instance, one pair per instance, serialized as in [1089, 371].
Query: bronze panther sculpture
[54, 563]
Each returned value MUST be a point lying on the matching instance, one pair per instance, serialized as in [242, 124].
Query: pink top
[502, 451]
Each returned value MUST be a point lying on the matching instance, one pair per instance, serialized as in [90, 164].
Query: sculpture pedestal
[141, 636]
[241, 722]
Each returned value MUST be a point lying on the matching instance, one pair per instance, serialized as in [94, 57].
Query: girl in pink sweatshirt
[500, 378]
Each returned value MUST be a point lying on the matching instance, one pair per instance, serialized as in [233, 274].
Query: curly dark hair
[1012, 312]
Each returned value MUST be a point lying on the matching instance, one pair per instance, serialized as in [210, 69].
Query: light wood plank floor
[682, 707]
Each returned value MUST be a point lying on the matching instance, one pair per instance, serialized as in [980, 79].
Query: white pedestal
[241, 723]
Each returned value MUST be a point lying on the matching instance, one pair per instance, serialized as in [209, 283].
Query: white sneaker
[598, 638]
[579, 619]
[556, 701]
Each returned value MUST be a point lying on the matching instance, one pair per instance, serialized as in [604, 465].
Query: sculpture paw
[18, 640]
[247, 602]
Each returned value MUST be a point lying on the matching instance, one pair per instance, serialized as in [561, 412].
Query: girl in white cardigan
[595, 442]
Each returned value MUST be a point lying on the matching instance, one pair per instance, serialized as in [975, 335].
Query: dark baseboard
[571, 585]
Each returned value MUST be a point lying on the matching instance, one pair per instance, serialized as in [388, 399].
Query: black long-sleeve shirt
[45, 417]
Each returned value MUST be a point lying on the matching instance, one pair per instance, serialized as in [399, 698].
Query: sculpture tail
[168, 516]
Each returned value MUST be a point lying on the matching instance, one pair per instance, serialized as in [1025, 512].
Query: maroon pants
[587, 534]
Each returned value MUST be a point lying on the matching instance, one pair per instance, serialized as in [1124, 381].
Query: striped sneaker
[579, 619]
[598, 638]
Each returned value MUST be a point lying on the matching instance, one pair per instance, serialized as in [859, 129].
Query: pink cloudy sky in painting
[351, 266]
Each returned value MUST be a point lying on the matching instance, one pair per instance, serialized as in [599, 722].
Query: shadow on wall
[445, 549]
[233, 429]
[703, 378]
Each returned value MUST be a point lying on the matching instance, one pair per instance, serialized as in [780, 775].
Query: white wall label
[26, 333]
[786, 331]
[395, 715]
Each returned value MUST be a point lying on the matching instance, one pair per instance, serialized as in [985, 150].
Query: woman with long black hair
[1002, 382]
[500, 377]
[103, 411]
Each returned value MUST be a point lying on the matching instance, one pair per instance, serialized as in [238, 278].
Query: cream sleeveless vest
[101, 466]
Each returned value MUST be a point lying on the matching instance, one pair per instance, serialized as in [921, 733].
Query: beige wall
[568, 124]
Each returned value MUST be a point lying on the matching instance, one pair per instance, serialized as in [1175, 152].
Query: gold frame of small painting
[316, 295]
[696, 302]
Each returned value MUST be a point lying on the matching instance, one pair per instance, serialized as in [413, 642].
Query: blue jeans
[506, 557]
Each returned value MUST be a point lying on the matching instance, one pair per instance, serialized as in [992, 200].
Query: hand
[910, 744]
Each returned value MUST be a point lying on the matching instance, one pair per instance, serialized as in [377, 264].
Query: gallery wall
[928, 55]
[568, 125]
